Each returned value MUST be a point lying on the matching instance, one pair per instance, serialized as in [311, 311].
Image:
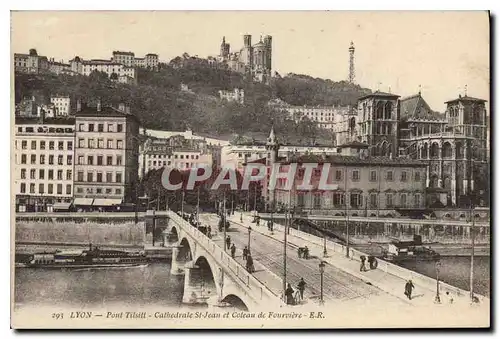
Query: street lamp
[321, 271]
[437, 299]
[249, 231]
[325, 253]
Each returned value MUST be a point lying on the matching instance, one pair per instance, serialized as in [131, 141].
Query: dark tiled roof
[415, 107]
[46, 121]
[105, 111]
[465, 98]
[354, 160]
[354, 144]
[380, 94]
[122, 52]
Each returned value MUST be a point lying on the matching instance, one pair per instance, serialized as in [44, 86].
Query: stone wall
[123, 233]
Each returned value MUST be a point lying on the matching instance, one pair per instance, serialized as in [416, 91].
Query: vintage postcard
[241, 169]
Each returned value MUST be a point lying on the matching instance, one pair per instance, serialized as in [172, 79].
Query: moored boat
[399, 251]
[91, 258]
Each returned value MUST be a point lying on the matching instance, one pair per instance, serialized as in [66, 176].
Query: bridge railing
[478, 223]
[257, 288]
[403, 273]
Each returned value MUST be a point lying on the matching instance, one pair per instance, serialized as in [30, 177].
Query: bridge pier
[197, 290]
[177, 267]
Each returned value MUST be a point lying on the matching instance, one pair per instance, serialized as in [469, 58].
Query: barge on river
[91, 258]
[400, 251]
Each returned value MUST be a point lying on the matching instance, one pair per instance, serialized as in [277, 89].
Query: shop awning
[61, 206]
[106, 202]
[83, 201]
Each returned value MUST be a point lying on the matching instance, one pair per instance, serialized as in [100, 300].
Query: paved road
[339, 286]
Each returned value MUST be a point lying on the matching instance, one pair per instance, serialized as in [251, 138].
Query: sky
[395, 51]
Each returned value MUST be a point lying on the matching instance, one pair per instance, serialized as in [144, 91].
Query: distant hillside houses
[121, 67]
[338, 119]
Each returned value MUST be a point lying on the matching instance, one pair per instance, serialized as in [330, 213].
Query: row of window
[356, 200]
[50, 174]
[356, 175]
[92, 143]
[176, 164]
[99, 160]
[99, 177]
[41, 188]
[98, 190]
[42, 159]
[100, 127]
[45, 129]
[175, 156]
[43, 144]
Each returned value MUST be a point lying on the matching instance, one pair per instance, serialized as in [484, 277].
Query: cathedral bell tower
[272, 148]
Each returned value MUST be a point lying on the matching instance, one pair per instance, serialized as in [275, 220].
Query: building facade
[371, 186]
[236, 95]
[255, 60]
[174, 152]
[378, 123]
[106, 156]
[62, 104]
[128, 59]
[43, 163]
[453, 145]
[31, 62]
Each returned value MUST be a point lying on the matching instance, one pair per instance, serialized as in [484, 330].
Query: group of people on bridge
[247, 257]
[193, 221]
[294, 297]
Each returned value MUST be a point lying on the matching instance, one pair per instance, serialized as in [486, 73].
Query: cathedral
[453, 144]
[254, 60]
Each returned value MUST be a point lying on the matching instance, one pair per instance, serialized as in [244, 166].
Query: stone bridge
[211, 276]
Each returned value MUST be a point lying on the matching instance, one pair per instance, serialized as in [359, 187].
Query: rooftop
[465, 98]
[415, 107]
[353, 144]
[46, 121]
[380, 94]
[107, 111]
[122, 52]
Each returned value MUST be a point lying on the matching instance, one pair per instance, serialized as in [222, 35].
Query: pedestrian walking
[245, 253]
[233, 250]
[250, 267]
[409, 288]
[449, 297]
[299, 252]
[362, 267]
[228, 242]
[209, 231]
[289, 295]
[301, 286]
[306, 252]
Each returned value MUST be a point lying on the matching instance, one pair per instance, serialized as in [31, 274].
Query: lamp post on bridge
[321, 271]
[437, 299]
[325, 252]
[249, 231]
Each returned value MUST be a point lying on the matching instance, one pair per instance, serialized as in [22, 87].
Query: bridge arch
[235, 302]
[203, 280]
[185, 252]
[173, 234]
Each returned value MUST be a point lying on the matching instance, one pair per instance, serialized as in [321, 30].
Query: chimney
[78, 105]
[98, 105]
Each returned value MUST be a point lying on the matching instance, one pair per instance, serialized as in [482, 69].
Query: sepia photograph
[250, 169]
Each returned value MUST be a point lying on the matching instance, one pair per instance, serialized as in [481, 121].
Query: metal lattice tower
[352, 72]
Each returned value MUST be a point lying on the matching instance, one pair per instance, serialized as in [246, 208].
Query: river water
[456, 271]
[155, 286]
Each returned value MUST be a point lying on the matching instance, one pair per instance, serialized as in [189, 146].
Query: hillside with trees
[158, 101]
